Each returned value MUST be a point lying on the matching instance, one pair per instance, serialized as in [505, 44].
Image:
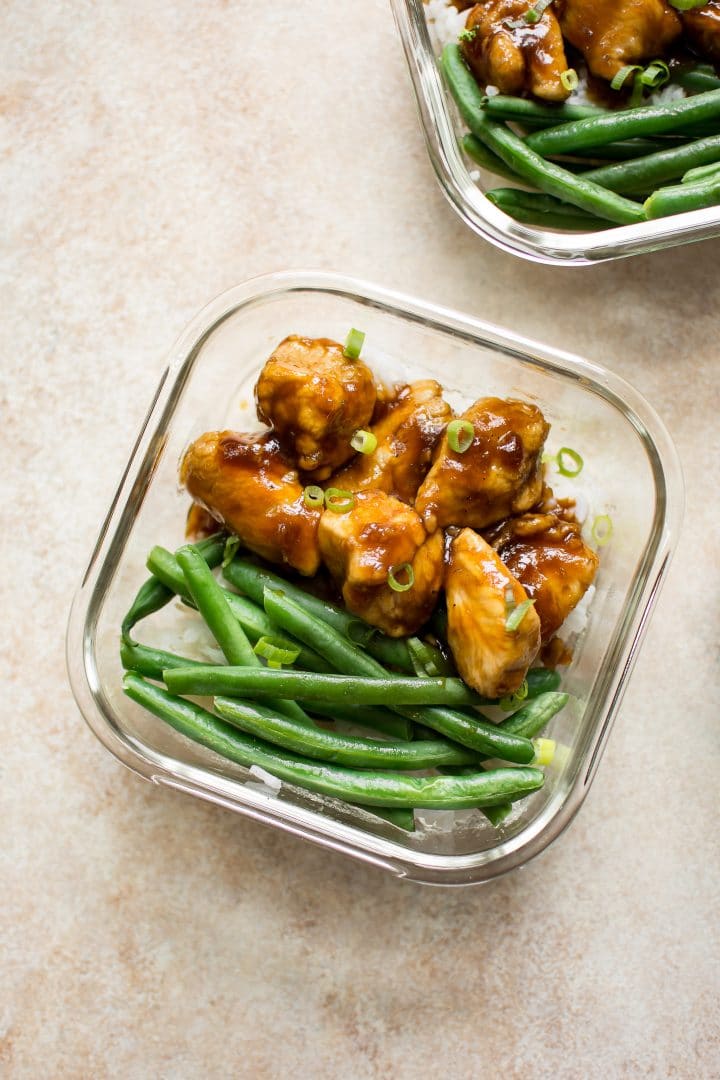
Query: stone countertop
[152, 156]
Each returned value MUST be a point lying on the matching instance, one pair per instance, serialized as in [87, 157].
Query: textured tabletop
[152, 156]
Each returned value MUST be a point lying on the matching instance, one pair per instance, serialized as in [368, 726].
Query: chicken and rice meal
[397, 579]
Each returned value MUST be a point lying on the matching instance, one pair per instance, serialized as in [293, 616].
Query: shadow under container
[443, 128]
[208, 380]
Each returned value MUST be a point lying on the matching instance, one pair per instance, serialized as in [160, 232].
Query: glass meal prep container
[443, 127]
[208, 381]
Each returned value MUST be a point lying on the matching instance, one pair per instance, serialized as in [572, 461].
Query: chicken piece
[702, 29]
[407, 433]
[506, 51]
[615, 33]
[315, 398]
[498, 475]
[362, 546]
[481, 592]
[247, 483]
[199, 523]
[547, 555]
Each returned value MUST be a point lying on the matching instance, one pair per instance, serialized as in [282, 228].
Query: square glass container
[630, 463]
[442, 127]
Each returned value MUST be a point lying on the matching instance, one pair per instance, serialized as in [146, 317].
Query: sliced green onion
[314, 497]
[655, 75]
[353, 344]
[467, 35]
[569, 462]
[338, 500]
[364, 441]
[231, 545]
[602, 529]
[687, 5]
[570, 79]
[460, 435]
[423, 657]
[516, 616]
[619, 80]
[535, 14]
[544, 751]
[405, 569]
[509, 598]
[276, 655]
[512, 702]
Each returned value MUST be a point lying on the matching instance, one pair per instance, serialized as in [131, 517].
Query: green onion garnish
[570, 79]
[353, 344]
[619, 80]
[516, 616]
[655, 75]
[535, 14]
[423, 657]
[365, 442]
[404, 569]
[602, 529]
[275, 653]
[231, 545]
[544, 751]
[460, 435]
[569, 462]
[687, 5]
[314, 497]
[468, 35]
[338, 500]
[512, 702]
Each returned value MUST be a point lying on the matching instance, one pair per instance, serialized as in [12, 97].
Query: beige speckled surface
[153, 155]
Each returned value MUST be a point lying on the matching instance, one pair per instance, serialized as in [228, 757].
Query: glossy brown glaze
[480, 592]
[315, 399]
[361, 547]
[498, 475]
[505, 51]
[407, 428]
[247, 483]
[199, 523]
[402, 613]
[702, 28]
[548, 556]
[615, 33]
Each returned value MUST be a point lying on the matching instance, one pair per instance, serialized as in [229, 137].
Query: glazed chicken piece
[361, 547]
[498, 475]
[315, 398]
[407, 431]
[702, 29]
[481, 593]
[199, 523]
[547, 555]
[506, 51]
[247, 483]
[615, 33]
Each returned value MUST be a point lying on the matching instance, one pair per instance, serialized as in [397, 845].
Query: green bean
[684, 197]
[703, 172]
[152, 662]
[540, 680]
[472, 730]
[697, 80]
[402, 819]
[252, 579]
[532, 208]
[485, 158]
[353, 750]
[507, 107]
[535, 715]
[377, 719]
[646, 173]
[210, 601]
[244, 681]
[155, 594]
[625, 124]
[497, 814]
[387, 789]
[519, 155]
[252, 618]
